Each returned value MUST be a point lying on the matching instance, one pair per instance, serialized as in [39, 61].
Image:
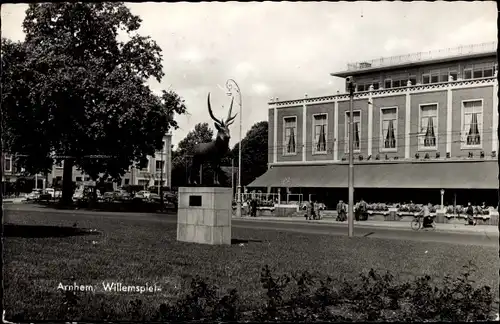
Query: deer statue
[213, 151]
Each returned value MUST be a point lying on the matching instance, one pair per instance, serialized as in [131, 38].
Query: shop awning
[446, 175]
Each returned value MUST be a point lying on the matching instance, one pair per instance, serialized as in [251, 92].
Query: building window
[467, 73]
[320, 130]
[146, 168]
[413, 79]
[127, 181]
[160, 165]
[426, 79]
[396, 83]
[487, 73]
[289, 133]
[472, 123]
[389, 117]
[360, 87]
[376, 85]
[357, 132]
[453, 74]
[428, 127]
[8, 163]
[435, 77]
[484, 70]
[78, 179]
[388, 83]
[477, 74]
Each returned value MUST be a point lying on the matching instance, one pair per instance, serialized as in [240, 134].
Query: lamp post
[350, 87]
[231, 86]
[442, 199]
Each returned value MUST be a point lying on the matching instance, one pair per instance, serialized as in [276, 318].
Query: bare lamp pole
[162, 164]
[231, 86]
[350, 87]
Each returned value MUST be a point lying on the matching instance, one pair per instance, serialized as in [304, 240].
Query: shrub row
[304, 297]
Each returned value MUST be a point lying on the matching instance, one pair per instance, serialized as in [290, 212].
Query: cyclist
[426, 212]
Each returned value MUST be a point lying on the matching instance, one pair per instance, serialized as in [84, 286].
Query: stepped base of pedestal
[204, 215]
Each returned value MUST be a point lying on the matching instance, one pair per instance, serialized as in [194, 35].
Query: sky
[284, 49]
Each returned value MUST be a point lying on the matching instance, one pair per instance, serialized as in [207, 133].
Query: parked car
[117, 195]
[170, 199]
[123, 195]
[50, 191]
[86, 193]
[109, 196]
[144, 194]
[78, 195]
[34, 195]
[154, 197]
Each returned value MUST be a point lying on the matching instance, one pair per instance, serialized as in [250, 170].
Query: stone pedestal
[204, 215]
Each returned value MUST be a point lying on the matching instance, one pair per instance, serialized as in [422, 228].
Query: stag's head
[222, 126]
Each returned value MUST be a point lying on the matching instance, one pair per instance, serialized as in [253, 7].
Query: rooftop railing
[424, 56]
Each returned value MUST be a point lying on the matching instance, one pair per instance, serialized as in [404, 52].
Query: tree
[254, 153]
[73, 90]
[181, 157]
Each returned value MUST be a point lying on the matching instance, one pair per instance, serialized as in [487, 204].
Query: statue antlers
[214, 150]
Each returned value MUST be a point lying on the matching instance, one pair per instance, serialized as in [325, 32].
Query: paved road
[482, 239]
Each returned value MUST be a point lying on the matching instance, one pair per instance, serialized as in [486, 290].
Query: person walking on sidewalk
[363, 210]
[470, 214]
[316, 214]
[253, 206]
[308, 213]
[341, 215]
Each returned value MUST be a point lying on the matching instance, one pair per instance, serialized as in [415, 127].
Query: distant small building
[149, 176]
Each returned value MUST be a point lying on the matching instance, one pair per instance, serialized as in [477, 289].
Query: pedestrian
[482, 209]
[356, 211]
[341, 216]
[309, 210]
[317, 210]
[363, 209]
[470, 214]
[254, 207]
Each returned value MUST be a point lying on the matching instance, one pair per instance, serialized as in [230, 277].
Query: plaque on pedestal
[204, 215]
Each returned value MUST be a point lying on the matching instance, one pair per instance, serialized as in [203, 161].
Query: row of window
[471, 130]
[160, 165]
[472, 71]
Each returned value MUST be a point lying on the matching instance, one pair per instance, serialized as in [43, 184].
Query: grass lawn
[136, 252]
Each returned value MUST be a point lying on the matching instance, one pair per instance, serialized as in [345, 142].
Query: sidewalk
[382, 224]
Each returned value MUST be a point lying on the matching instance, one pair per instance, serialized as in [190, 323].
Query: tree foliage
[181, 157]
[253, 154]
[74, 89]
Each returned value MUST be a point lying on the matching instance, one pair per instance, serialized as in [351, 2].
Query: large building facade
[421, 121]
[149, 176]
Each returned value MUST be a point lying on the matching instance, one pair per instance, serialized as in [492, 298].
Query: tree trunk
[67, 186]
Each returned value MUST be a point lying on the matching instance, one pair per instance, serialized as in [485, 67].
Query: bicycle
[417, 224]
